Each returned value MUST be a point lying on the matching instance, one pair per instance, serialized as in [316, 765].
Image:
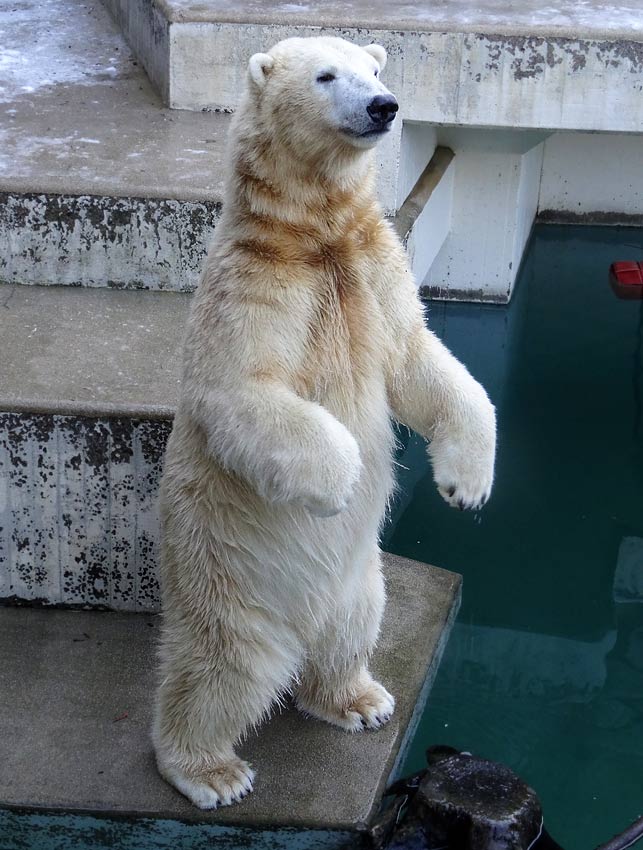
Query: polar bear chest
[345, 351]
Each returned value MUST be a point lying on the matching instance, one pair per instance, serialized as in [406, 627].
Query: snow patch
[36, 53]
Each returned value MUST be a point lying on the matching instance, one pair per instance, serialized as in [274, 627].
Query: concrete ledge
[459, 63]
[89, 384]
[460, 79]
[122, 243]
[90, 352]
[81, 118]
[600, 18]
[75, 712]
[100, 185]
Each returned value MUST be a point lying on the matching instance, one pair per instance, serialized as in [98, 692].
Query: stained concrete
[100, 184]
[78, 115]
[493, 64]
[90, 352]
[594, 19]
[463, 79]
[99, 240]
[89, 381]
[75, 708]
[79, 521]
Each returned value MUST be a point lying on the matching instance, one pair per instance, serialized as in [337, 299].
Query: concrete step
[459, 62]
[88, 386]
[100, 185]
[492, 81]
[76, 766]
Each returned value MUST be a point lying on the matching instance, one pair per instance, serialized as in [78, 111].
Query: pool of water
[544, 668]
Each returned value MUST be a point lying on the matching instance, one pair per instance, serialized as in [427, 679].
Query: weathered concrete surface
[90, 352]
[495, 197]
[588, 177]
[75, 704]
[597, 18]
[478, 80]
[492, 64]
[88, 383]
[78, 510]
[78, 115]
[123, 243]
[99, 184]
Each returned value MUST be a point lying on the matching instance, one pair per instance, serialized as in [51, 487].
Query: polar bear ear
[378, 53]
[259, 67]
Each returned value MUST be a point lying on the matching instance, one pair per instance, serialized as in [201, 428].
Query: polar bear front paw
[372, 708]
[333, 473]
[319, 471]
[463, 466]
[209, 788]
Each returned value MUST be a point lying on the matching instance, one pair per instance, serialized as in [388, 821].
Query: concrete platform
[100, 184]
[599, 18]
[90, 352]
[88, 385]
[491, 64]
[75, 756]
[80, 117]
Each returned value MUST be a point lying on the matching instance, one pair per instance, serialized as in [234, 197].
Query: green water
[544, 669]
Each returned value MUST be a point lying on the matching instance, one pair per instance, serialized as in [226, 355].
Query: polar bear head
[314, 91]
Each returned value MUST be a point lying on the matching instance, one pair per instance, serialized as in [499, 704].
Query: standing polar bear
[305, 337]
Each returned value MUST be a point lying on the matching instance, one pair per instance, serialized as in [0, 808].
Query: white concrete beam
[495, 197]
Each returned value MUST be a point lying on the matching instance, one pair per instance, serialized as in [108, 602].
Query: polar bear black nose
[382, 108]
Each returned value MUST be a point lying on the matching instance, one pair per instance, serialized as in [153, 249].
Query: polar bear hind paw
[372, 708]
[212, 787]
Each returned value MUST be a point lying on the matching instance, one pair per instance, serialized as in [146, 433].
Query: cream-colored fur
[306, 336]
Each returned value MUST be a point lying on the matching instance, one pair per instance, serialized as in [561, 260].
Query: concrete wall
[592, 177]
[78, 516]
[147, 31]
[126, 243]
[495, 197]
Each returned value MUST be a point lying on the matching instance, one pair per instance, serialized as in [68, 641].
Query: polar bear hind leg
[217, 680]
[335, 684]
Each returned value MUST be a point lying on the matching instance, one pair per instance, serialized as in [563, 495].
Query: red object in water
[627, 279]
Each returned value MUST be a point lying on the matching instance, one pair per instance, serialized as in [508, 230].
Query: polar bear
[305, 338]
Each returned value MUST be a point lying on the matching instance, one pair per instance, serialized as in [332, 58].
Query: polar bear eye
[375, 72]
[326, 78]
